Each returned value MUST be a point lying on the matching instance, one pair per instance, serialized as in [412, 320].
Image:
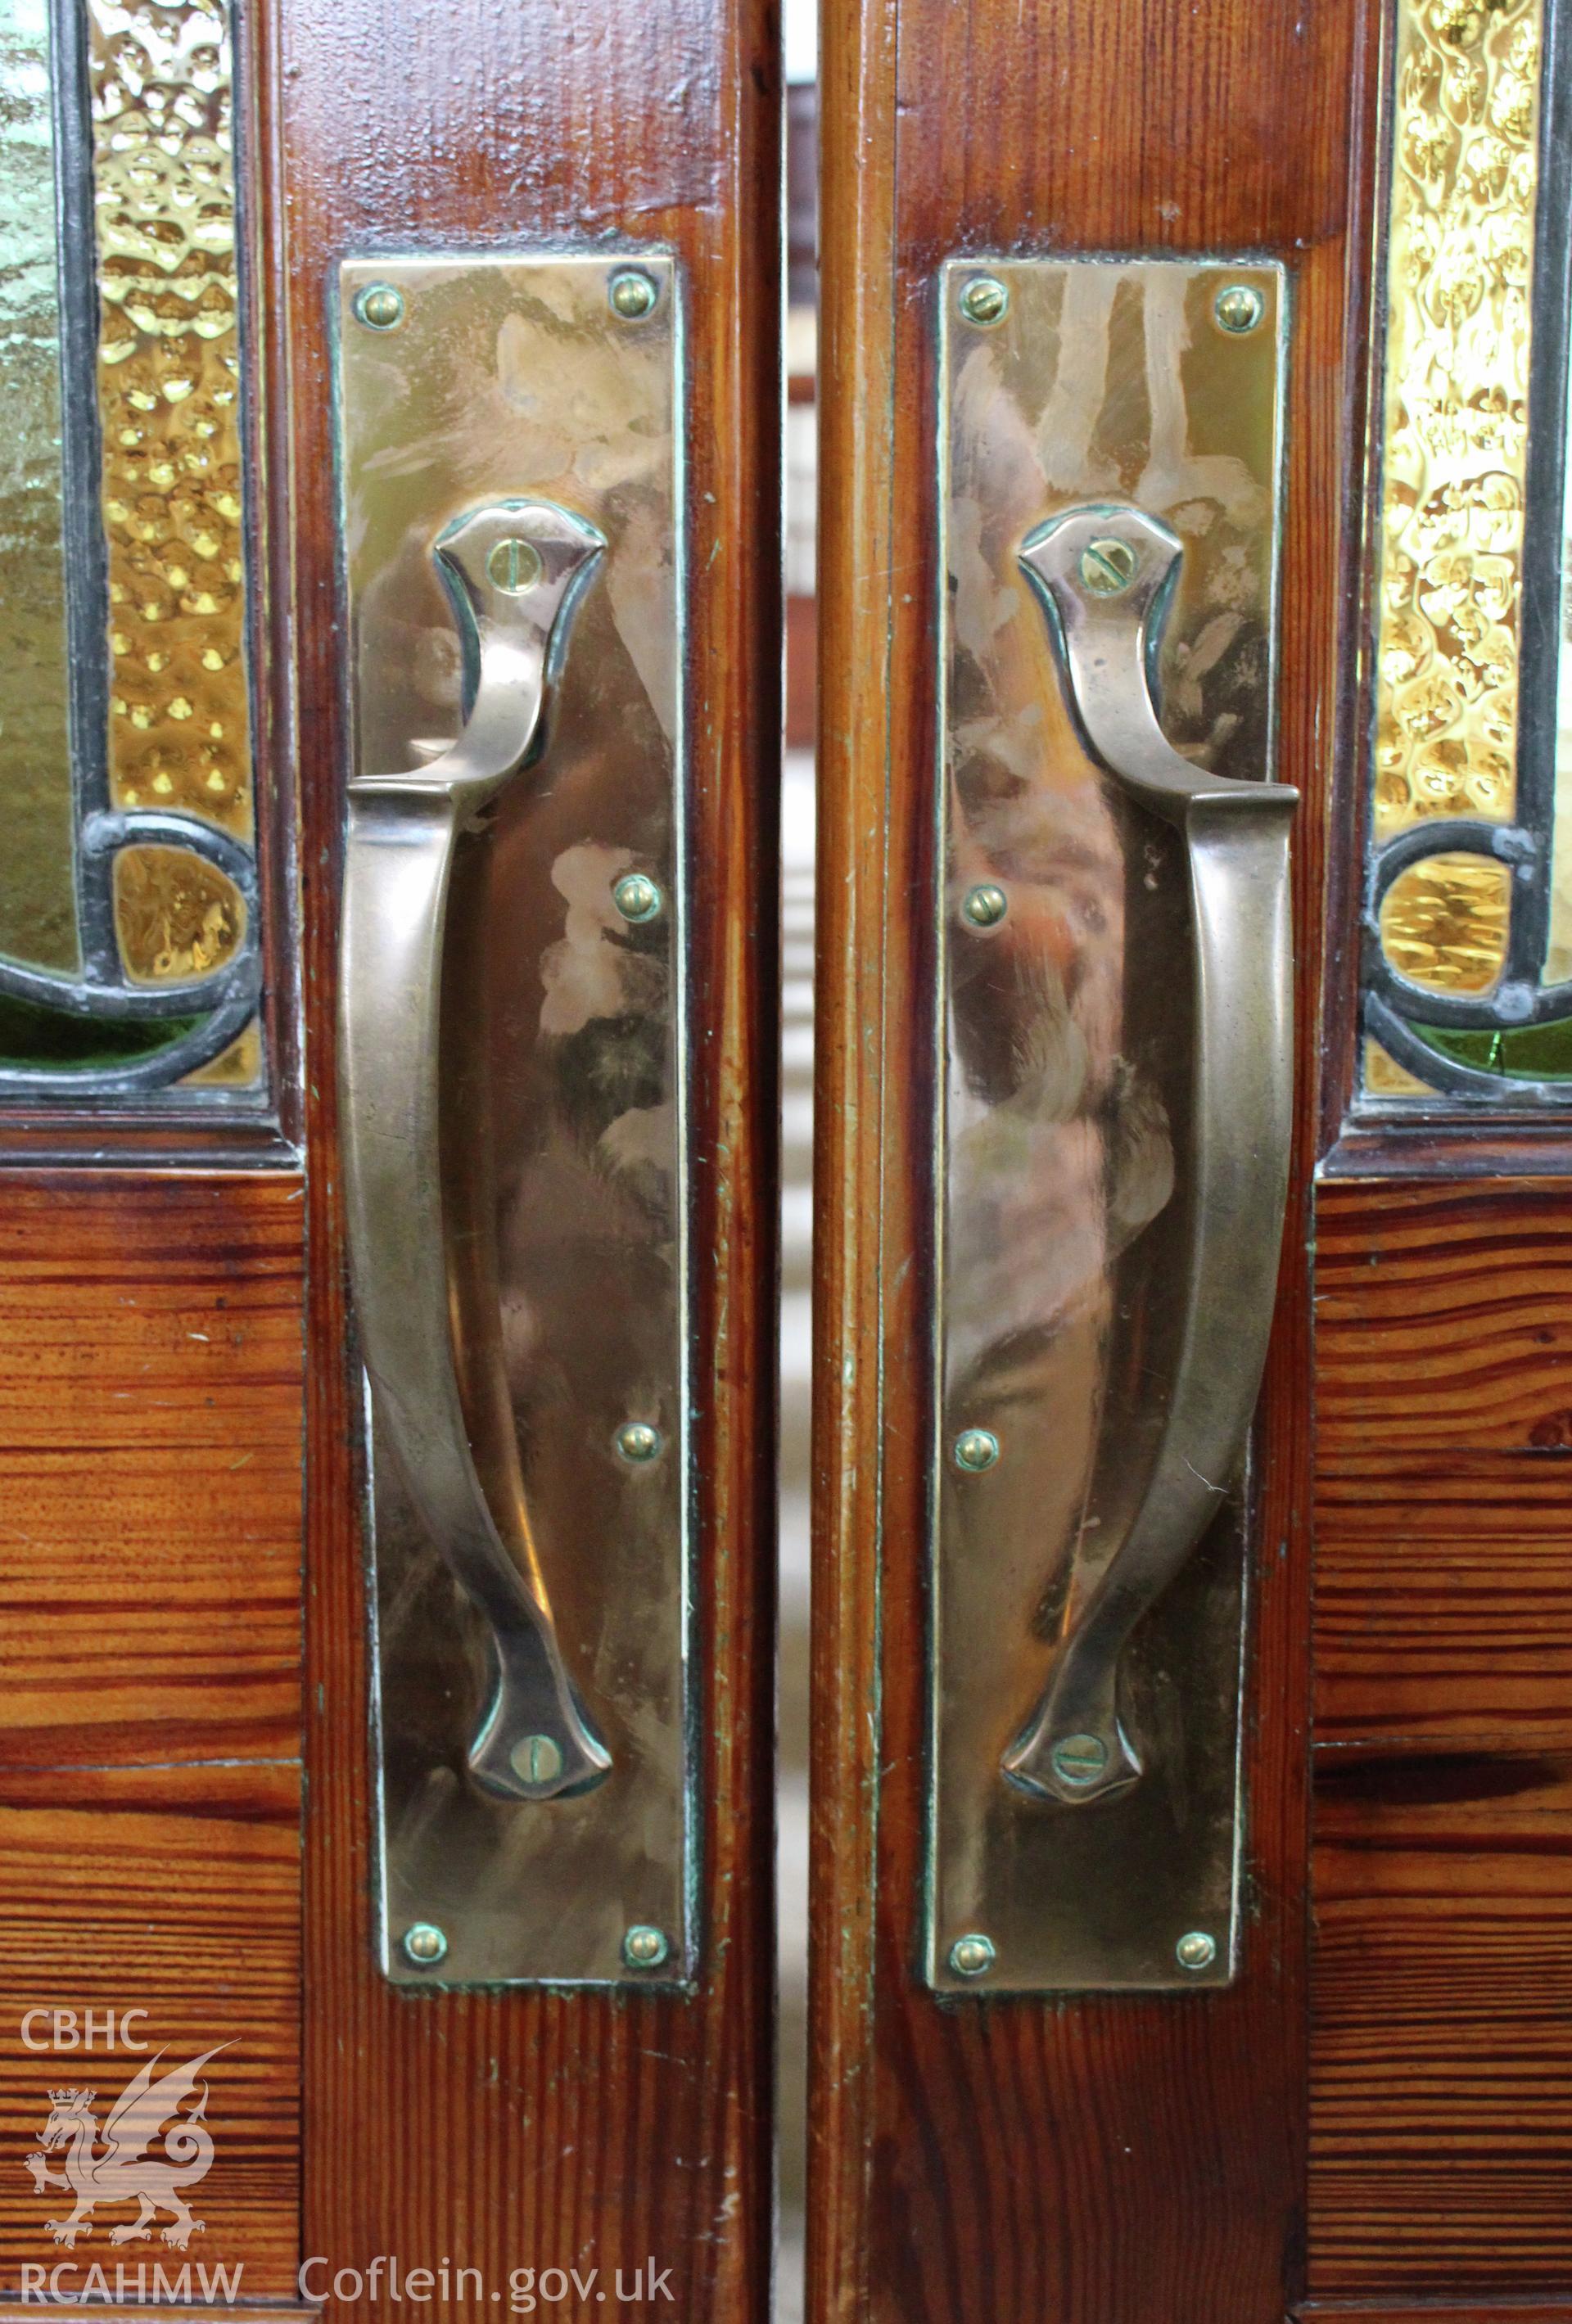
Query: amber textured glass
[169, 390]
[37, 915]
[1460, 261]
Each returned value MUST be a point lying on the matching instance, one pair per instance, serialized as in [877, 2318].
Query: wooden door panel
[1096, 2157]
[176, 1891]
[152, 1365]
[152, 1362]
[540, 2129]
[1442, 1619]
[1441, 2051]
[185, 1772]
[1372, 2119]
[1440, 2058]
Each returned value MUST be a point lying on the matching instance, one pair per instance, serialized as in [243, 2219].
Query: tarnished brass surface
[561, 1102]
[1105, 572]
[420, 1190]
[37, 899]
[1070, 1033]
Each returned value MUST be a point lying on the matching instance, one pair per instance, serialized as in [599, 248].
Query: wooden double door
[390, 715]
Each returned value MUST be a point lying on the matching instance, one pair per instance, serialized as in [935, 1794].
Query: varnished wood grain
[151, 1446]
[529, 2129]
[1099, 2160]
[1441, 2087]
[1441, 2150]
[150, 1441]
[175, 1891]
[96, 2311]
[1525, 2310]
[1442, 1319]
[1443, 1600]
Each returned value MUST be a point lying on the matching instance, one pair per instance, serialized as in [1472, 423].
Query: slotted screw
[1108, 566]
[985, 301]
[379, 306]
[1239, 308]
[633, 295]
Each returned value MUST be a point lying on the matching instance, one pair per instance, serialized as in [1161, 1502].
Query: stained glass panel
[1468, 901]
[128, 902]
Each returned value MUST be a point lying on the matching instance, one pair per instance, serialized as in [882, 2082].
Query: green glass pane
[1530, 1053]
[34, 1035]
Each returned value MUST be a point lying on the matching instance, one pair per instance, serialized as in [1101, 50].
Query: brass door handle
[1105, 576]
[513, 571]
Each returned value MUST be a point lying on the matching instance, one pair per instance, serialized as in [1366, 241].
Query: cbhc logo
[82, 2029]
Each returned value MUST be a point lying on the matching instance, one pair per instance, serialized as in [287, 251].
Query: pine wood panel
[1444, 1318]
[526, 2128]
[151, 1492]
[1548, 2310]
[1105, 2161]
[66, 2312]
[176, 1891]
[1444, 1602]
[151, 1440]
[1441, 2121]
[1441, 2058]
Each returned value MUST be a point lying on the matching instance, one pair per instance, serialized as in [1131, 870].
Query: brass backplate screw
[637, 1441]
[972, 1955]
[1080, 1760]
[985, 301]
[424, 1944]
[1239, 308]
[536, 1759]
[633, 295]
[977, 1448]
[643, 1947]
[1108, 566]
[986, 906]
[379, 306]
[1196, 1950]
[637, 898]
[513, 565]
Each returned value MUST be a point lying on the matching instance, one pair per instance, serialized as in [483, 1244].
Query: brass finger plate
[1075, 392]
[536, 398]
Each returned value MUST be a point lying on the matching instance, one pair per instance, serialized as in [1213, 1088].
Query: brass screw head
[1108, 566]
[986, 906]
[643, 1947]
[1239, 308]
[1080, 1760]
[985, 301]
[379, 306]
[972, 1955]
[633, 295]
[424, 1944]
[536, 1758]
[975, 1449]
[513, 565]
[637, 898]
[1196, 1950]
[637, 1441]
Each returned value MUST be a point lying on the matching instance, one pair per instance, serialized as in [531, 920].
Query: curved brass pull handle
[513, 571]
[1104, 575]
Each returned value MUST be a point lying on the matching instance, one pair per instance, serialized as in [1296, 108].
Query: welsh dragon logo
[123, 2171]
